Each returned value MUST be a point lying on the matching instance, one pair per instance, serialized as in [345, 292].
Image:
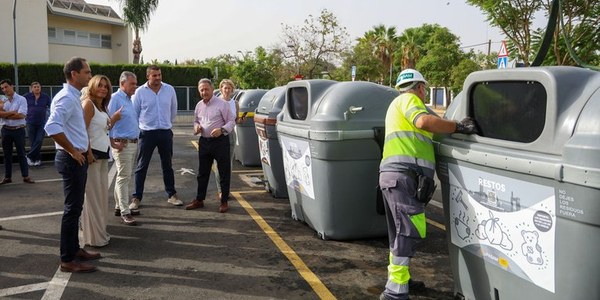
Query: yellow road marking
[320, 289]
[436, 224]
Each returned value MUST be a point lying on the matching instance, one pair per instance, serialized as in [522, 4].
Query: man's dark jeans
[74, 179]
[36, 136]
[212, 149]
[16, 137]
[149, 140]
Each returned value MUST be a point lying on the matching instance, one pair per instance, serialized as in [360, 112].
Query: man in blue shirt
[123, 141]
[155, 104]
[13, 131]
[38, 104]
[67, 128]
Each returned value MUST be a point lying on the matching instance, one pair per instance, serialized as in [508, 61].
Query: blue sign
[353, 72]
[502, 62]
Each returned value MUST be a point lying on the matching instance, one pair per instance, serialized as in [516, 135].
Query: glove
[466, 126]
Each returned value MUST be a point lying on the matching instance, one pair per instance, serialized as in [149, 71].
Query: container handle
[355, 109]
[352, 109]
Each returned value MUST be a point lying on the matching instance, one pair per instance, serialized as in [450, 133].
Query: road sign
[353, 72]
[502, 62]
[503, 52]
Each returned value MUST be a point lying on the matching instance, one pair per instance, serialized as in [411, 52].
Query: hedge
[52, 74]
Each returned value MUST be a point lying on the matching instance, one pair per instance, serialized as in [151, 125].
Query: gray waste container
[265, 120]
[522, 198]
[331, 139]
[246, 143]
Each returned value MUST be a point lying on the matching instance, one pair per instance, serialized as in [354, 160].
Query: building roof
[83, 10]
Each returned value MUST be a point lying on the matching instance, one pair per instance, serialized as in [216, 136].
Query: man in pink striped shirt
[213, 121]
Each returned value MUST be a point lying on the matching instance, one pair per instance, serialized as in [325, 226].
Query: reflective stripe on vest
[403, 141]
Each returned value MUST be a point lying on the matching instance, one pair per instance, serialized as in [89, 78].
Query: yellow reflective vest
[406, 145]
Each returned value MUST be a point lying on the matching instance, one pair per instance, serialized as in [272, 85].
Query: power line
[481, 44]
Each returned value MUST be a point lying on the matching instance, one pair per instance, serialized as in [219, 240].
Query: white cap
[408, 76]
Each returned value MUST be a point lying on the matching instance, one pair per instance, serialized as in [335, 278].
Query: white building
[56, 30]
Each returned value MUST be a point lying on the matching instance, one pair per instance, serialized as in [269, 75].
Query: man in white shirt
[155, 104]
[13, 132]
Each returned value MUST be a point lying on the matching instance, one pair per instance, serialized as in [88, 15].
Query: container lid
[249, 99]
[272, 102]
[329, 110]
[540, 121]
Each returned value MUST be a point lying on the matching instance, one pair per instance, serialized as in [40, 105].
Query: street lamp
[244, 53]
[15, 44]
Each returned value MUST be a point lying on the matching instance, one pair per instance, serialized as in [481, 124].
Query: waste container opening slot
[509, 110]
[297, 98]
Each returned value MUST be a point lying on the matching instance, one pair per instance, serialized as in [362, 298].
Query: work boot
[415, 285]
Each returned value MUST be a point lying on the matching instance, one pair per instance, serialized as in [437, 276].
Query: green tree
[410, 51]
[257, 70]
[367, 65]
[515, 19]
[383, 42]
[222, 66]
[581, 19]
[319, 39]
[443, 53]
[460, 72]
[137, 13]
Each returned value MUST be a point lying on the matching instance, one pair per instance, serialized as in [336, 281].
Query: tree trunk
[137, 47]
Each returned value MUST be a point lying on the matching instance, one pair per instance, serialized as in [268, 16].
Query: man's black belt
[212, 138]
[126, 140]
[13, 127]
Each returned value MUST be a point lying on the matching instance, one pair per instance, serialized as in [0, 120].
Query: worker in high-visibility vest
[406, 175]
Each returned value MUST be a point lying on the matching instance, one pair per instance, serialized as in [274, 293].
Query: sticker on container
[509, 223]
[297, 165]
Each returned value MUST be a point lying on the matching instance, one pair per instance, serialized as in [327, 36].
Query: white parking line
[24, 289]
[56, 287]
[32, 216]
[49, 180]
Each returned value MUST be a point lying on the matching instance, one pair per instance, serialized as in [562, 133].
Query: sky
[198, 29]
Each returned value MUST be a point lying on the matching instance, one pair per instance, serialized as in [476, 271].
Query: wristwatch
[223, 131]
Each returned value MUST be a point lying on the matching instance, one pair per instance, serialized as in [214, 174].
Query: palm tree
[410, 50]
[137, 14]
[385, 41]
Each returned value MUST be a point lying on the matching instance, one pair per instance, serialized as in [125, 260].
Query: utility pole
[489, 46]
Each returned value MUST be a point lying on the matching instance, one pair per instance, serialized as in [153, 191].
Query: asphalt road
[255, 251]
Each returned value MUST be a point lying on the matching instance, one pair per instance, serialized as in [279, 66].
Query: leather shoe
[76, 267]
[5, 181]
[133, 212]
[84, 255]
[224, 207]
[195, 204]
[28, 180]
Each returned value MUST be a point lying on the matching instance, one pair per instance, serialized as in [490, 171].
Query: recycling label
[510, 223]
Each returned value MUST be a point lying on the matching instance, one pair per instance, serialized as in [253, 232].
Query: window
[95, 40]
[83, 38]
[509, 110]
[79, 38]
[69, 37]
[106, 42]
[298, 103]
[51, 34]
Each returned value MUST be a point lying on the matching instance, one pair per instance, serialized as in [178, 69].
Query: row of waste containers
[521, 198]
